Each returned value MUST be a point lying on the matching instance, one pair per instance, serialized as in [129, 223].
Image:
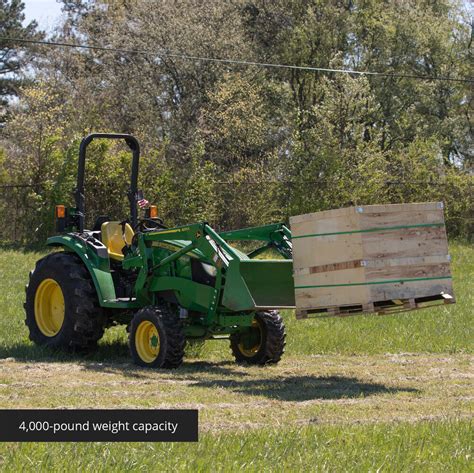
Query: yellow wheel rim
[49, 307]
[253, 350]
[147, 341]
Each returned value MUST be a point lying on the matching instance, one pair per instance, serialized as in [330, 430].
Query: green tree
[239, 145]
[11, 52]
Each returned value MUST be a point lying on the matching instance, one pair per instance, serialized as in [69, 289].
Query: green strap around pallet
[389, 281]
[368, 230]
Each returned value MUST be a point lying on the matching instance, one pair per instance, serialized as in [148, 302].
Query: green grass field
[422, 447]
[365, 393]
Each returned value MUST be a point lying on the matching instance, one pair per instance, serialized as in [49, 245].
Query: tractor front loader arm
[242, 284]
[276, 236]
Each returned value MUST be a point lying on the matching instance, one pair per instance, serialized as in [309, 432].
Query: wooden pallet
[349, 260]
[376, 308]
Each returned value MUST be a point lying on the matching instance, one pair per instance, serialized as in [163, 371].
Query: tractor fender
[101, 276]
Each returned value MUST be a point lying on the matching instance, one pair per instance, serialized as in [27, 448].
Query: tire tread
[274, 345]
[88, 318]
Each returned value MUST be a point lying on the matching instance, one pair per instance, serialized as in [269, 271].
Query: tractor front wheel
[263, 343]
[156, 337]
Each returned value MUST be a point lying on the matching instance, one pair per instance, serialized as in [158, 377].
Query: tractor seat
[114, 239]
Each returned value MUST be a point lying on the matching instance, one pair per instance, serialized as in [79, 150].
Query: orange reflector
[153, 211]
[60, 211]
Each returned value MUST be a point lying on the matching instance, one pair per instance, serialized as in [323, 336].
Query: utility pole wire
[237, 61]
[235, 182]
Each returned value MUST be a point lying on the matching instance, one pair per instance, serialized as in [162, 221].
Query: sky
[45, 12]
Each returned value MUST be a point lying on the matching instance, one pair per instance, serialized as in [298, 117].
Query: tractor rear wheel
[156, 337]
[62, 308]
[263, 343]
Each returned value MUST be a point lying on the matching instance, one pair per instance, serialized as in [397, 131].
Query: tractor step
[121, 299]
[121, 303]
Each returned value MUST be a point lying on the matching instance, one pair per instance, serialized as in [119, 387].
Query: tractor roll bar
[133, 144]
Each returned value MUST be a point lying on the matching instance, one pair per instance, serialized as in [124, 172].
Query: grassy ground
[299, 391]
[422, 447]
[351, 394]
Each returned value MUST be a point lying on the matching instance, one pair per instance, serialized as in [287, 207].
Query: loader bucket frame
[253, 285]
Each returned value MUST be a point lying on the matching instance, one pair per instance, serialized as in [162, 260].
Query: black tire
[271, 340]
[170, 350]
[84, 319]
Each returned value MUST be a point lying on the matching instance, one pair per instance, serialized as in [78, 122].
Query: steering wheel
[149, 224]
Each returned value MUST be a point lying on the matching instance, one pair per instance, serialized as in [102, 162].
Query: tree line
[239, 145]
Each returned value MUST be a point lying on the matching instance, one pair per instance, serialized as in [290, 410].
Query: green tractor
[167, 285]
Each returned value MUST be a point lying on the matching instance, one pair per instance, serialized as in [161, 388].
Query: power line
[273, 181]
[172, 54]
[8, 186]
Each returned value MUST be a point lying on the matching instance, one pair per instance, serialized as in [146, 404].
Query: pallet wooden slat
[362, 259]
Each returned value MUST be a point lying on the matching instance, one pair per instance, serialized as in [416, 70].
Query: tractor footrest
[121, 299]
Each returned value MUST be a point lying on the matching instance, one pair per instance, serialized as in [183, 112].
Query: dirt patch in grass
[304, 390]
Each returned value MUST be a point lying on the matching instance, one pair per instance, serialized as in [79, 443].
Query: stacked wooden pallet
[376, 258]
